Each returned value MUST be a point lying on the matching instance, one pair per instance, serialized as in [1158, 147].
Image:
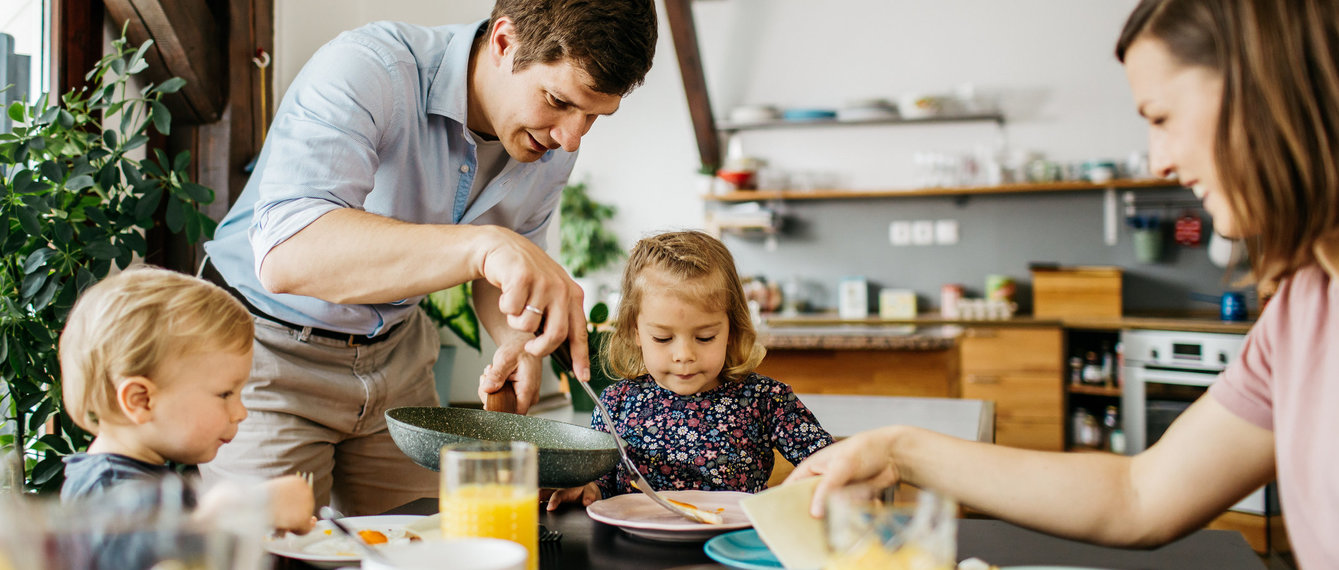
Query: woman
[1242, 102]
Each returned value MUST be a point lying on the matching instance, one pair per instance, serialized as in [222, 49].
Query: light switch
[946, 232]
[923, 232]
[899, 233]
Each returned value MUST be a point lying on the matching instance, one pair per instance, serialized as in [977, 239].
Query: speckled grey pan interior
[569, 455]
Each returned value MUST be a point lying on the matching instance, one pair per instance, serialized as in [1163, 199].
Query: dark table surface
[590, 544]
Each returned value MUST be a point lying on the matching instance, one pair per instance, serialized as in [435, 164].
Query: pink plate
[638, 515]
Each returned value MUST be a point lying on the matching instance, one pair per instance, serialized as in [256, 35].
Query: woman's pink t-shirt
[1287, 380]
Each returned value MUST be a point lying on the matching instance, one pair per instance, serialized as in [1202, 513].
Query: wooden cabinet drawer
[1001, 349]
[1017, 395]
[1043, 435]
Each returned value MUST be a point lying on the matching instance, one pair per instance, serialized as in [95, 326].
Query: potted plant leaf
[451, 310]
[587, 246]
[600, 375]
[74, 200]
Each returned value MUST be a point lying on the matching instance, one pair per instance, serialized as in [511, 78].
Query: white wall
[1049, 61]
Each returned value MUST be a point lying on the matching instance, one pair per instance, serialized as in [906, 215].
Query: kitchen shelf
[1093, 390]
[757, 195]
[729, 127]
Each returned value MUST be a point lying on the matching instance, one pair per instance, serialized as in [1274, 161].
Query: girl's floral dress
[717, 440]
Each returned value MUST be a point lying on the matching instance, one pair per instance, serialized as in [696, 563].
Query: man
[405, 160]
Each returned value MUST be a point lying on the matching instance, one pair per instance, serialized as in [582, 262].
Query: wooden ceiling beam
[684, 34]
[188, 43]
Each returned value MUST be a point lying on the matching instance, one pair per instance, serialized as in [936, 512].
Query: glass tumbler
[890, 529]
[491, 490]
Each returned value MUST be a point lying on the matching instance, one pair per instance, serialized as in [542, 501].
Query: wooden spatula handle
[503, 400]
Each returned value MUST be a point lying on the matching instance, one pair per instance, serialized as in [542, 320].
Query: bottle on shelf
[1092, 369]
[1108, 365]
[1115, 436]
[1076, 370]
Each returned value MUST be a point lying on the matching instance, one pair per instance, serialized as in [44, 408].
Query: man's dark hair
[613, 41]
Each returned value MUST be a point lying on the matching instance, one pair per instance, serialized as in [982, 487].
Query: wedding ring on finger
[535, 310]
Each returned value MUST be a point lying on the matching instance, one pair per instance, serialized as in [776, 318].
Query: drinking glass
[892, 528]
[491, 490]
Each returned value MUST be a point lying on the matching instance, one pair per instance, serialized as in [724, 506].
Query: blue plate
[742, 549]
[808, 114]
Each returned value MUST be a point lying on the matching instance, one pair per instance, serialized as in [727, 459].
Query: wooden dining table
[588, 544]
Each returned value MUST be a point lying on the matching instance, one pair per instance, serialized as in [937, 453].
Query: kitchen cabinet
[925, 373]
[1020, 369]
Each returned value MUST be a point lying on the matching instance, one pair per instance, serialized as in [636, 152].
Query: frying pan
[569, 455]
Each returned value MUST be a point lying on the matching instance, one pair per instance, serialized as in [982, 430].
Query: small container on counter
[949, 295]
[897, 303]
[853, 298]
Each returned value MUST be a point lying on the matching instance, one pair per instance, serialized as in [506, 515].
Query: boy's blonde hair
[129, 324]
[705, 272]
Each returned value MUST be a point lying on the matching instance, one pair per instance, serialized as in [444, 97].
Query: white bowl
[466, 554]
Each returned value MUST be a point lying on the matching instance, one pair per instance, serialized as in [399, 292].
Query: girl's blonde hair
[1278, 130]
[129, 324]
[704, 272]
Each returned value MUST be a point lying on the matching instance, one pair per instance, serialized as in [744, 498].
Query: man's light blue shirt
[376, 121]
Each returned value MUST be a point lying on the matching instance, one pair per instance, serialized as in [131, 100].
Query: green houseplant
[587, 246]
[73, 201]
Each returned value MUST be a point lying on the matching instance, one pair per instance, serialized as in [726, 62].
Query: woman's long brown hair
[1278, 130]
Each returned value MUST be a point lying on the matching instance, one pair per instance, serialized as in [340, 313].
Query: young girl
[693, 412]
[1242, 101]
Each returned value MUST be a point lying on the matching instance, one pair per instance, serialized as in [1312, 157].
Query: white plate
[310, 548]
[638, 515]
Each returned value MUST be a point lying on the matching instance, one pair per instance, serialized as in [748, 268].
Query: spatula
[563, 356]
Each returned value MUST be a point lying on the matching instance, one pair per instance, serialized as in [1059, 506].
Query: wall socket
[899, 233]
[923, 232]
[946, 232]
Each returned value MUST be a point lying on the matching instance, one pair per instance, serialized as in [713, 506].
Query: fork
[563, 356]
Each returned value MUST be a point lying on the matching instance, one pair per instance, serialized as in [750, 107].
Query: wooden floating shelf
[729, 127]
[759, 195]
[1093, 390]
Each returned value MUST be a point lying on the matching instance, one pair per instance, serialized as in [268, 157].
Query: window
[25, 52]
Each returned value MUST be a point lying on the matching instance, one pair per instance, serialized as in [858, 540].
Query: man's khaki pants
[318, 406]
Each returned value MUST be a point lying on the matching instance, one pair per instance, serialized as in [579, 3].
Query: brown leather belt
[212, 275]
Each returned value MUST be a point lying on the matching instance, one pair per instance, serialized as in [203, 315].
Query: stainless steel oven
[1162, 373]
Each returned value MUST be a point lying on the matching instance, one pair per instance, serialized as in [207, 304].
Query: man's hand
[511, 363]
[536, 290]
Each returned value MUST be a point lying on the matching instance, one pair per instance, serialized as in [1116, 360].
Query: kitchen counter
[858, 336]
[934, 325]
[844, 416]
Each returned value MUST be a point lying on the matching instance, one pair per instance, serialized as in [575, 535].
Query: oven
[1162, 373]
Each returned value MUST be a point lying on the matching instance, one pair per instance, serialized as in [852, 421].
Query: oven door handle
[1181, 376]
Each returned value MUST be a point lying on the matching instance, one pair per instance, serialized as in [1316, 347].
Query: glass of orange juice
[902, 528]
[491, 490]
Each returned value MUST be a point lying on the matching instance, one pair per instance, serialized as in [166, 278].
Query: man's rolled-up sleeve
[320, 154]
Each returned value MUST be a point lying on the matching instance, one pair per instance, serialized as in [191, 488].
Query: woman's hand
[864, 457]
[587, 494]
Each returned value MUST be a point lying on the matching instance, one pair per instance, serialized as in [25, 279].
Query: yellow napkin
[781, 517]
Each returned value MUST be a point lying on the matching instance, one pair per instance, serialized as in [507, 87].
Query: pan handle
[503, 400]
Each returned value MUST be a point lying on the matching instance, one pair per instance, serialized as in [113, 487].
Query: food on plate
[710, 517]
[976, 564]
[694, 513]
[372, 536]
[336, 545]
